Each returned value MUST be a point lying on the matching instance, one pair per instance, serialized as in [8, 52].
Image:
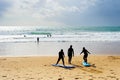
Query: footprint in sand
[3, 59]
[90, 79]
[91, 75]
[117, 78]
[51, 77]
[111, 76]
[113, 57]
[4, 76]
[91, 70]
[101, 77]
[111, 70]
[84, 73]
[113, 73]
[60, 79]
[78, 75]
[7, 70]
[59, 75]
[31, 78]
[78, 78]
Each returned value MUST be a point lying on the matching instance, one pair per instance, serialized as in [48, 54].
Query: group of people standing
[71, 54]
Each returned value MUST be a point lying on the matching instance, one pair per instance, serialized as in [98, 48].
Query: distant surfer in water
[61, 56]
[38, 39]
[85, 54]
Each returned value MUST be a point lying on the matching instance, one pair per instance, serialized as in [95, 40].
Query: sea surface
[22, 41]
[58, 34]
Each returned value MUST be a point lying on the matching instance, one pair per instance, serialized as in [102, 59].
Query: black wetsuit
[61, 56]
[85, 54]
[70, 53]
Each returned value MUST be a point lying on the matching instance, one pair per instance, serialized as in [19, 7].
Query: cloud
[99, 12]
[48, 7]
[59, 12]
[32, 11]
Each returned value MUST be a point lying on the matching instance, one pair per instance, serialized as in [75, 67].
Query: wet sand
[40, 68]
[52, 48]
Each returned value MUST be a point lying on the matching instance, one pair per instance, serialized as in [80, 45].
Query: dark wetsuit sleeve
[81, 52]
[88, 51]
[73, 52]
[63, 54]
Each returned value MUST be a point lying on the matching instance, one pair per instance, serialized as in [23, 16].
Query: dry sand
[39, 68]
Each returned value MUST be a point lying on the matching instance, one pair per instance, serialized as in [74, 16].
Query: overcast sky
[59, 12]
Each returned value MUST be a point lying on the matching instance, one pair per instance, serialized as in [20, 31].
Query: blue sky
[59, 12]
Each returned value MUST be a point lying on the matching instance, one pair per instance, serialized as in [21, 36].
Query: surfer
[61, 56]
[38, 39]
[70, 54]
[85, 54]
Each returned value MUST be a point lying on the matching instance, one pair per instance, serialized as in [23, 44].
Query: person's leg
[70, 59]
[63, 61]
[85, 59]
[58, 60]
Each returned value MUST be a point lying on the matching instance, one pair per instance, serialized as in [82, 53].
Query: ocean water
[59, 34]
[21, 41]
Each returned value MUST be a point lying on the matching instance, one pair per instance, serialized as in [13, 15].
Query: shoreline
[35, 49]
[30, 56]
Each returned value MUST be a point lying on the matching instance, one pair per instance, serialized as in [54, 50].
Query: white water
[64, 34]
[83, 36]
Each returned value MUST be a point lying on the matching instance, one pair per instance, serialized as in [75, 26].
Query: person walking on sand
[70, 54]
[61, 56]
[85, 51]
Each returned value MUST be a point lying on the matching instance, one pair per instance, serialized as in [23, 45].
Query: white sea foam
[82, 36]
[29, 34]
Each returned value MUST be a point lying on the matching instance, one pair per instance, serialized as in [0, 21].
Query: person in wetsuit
[70, 54]
[38, 39]
[85, 54]
[61, 56]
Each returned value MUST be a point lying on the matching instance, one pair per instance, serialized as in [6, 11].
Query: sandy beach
[36, 34]
[40, 68]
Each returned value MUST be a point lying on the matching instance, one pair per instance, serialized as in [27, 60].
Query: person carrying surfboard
[85, 51]
[61, 56]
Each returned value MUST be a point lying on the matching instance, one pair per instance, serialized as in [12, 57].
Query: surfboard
[66, 66]
[86, 64]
